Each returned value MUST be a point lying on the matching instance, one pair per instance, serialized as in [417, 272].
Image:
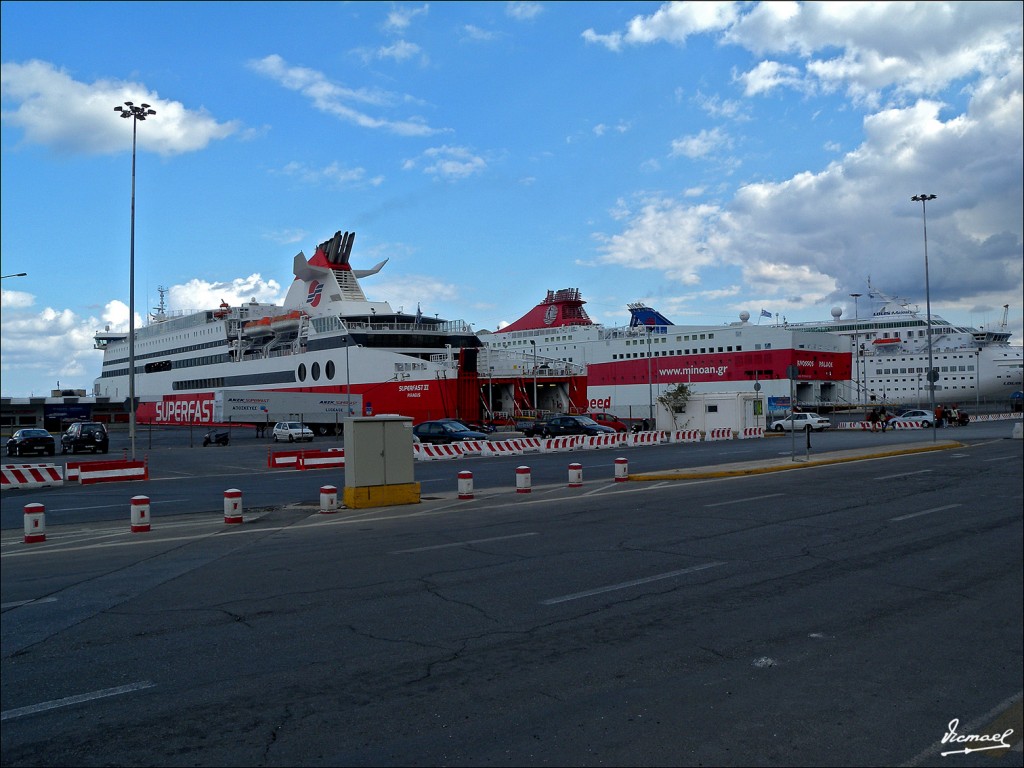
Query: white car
[922, 417]
[292, 431]
[802, 422]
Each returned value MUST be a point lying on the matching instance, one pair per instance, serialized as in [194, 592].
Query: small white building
[714, 410]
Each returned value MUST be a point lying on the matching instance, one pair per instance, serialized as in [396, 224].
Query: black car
[31, 441]
[85, 435]
[557, 426]
[445, 431]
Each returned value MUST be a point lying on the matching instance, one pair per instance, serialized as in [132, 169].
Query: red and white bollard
[140, 514]
[328, 499]
[523, 480]
[233, 506]
[575, 475]
[621, 470]
[35, 523]
[465, 485]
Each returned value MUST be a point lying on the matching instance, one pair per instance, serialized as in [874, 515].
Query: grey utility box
[378, 452]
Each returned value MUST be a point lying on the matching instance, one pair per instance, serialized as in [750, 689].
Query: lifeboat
[223, 311]
[287, 323]
[886, 342]
[258, 329]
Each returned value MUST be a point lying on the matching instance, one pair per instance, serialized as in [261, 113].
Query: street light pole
[19, 274]
[923, 199]
[650, 381]
[136, 113]
[534, 344]
[856, 342]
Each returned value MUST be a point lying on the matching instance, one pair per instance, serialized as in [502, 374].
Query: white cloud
[447, 162]
[334, 99]
[400, 18]
[701, 144]
[87, 121]
[523, 10]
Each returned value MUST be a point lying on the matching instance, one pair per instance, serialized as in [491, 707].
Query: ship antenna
[160, 310]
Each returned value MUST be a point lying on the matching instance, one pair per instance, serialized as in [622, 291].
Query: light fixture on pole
[932, 373]
[856, 341]
[19, 274]
[136, 113]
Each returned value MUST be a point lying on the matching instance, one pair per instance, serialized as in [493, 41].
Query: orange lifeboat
[223, 311]
[258, 329]
[287, 323]
[886, 342]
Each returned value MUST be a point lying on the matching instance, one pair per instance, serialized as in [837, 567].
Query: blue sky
[706, 158]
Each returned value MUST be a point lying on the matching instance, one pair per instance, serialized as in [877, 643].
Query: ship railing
[445, 328]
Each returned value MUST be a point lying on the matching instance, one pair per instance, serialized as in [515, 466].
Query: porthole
[315, 370]
[330, 370]
[302, 371]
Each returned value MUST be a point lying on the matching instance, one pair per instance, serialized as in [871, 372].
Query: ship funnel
[338, 249]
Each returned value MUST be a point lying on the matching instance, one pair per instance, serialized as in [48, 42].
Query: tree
[675, 400]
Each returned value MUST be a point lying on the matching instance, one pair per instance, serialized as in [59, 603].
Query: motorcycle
[214, 437]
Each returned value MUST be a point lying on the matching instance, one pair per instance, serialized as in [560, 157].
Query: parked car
[444, 431]
[31, 441]
[292, 431]
[804, 421]
[607, 420]
[85, 435]
[919, 415]
[557, 426]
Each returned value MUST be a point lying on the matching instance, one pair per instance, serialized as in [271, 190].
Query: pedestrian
[883, 417]
[940, 414]
[873, 419]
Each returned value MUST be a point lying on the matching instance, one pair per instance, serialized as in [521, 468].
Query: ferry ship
[629, 367]
[891, 356]
[326, 338]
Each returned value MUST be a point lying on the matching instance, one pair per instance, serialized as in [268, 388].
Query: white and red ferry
[628, 367]
[327, 338]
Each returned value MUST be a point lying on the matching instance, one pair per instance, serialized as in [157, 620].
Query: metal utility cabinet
[379, 462]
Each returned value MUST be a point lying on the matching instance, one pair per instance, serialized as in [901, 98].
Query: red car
[607, 420]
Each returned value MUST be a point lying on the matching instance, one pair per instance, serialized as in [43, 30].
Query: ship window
[302, 371]
[315, 370]
[330, 370]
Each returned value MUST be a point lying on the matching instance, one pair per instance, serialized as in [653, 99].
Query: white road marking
[743, 501]
[10, 714]
[463, 543]
[627, 584]
[903, 474]
[923, 512]
[35, 601]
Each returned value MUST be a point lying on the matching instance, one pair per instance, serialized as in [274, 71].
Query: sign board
[256, 406]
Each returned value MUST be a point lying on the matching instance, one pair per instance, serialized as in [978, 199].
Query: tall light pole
[135, 113]
[650, 380]
[856, 341]
[923, 199]
[534, 344]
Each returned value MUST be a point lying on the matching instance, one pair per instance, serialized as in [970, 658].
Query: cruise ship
[326, 338]
[891, 356]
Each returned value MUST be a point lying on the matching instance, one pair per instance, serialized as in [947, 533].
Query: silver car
[802, 422]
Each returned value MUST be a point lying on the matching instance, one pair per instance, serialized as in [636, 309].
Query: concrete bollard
[523, 480]
[575, 475]
[465, 485]
[328, 499]
[233, 506]
[35, 523]
[140, 514]
[1018, 432]
[621, 470]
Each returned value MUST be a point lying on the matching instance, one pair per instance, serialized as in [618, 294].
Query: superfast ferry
[628, 367]
[327, 338]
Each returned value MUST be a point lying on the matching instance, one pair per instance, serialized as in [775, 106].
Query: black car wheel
[12, 451]
[50, 451]
[778, 428]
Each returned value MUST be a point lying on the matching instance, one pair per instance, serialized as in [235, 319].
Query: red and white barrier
[575, 475]
[685, 436]
[645, 438]
[140, 514]
[621, 470]
[603, 441]
[531, 444]
[472, 447]
[523, 480]
[233, 506]
[431, 452]
[465, 485]
[112, 471]
[557, 444]
[719, 433]
[35, 523]
[332, 457]
[748, 432]
[328, 499]
[503, 448]
[30, 476]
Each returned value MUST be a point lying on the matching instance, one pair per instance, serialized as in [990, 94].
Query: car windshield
[586, 421]
[456, 426]
[293, 425]
[96, 430]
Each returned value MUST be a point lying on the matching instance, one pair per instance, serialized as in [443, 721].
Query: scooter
[215, 437]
